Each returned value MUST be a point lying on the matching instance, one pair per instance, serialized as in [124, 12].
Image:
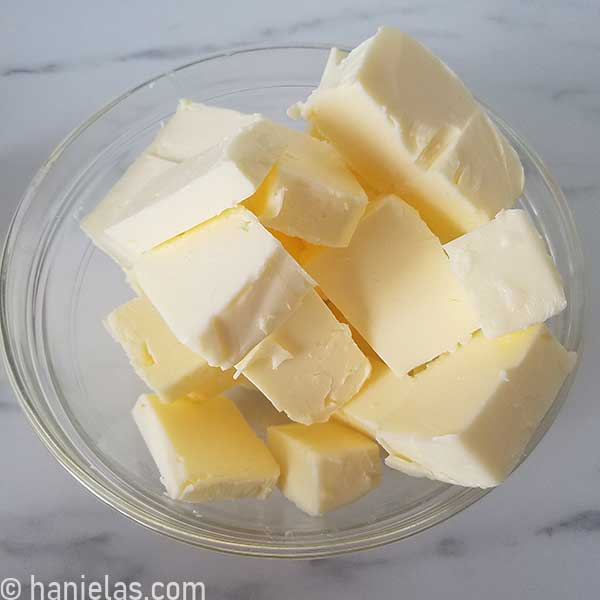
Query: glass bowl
[74, 382]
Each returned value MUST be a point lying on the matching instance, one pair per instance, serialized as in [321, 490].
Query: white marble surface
[537, 64]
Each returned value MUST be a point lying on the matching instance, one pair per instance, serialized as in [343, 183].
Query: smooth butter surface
[309, 366]
[467, 417]
[204, 449]
[507, 273]
[223, 286]
[168, 367]
[325, 465]
[394, 285]
[380, 107]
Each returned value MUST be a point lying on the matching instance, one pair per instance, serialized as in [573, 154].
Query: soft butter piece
[204, 449]
[325, 465]
[198, 189]
[194, 128]
[309, 366]
[223, 286]
[380, 107]
[141, 172]
[394, 285]
[311, 194]
[468, 416]
[507, 273]
[168, 367]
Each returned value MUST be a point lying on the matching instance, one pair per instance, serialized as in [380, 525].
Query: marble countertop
[537, 64]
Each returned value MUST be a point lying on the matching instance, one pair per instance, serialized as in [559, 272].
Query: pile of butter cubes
[369, 277]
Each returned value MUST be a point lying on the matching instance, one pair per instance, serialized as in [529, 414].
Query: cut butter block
[223, 286]
[311, 194]
[115, 203]
[406, 124]
[168, 367]
[204, 449]
[197, 189]
[195, 128]
[394, 285]
[325, 465]
[466, 418]
[508, 275]
[309, 366]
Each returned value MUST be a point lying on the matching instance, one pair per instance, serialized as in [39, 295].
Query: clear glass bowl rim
[151, 519]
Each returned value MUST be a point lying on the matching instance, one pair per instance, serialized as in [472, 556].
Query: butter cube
[197, 189]
[394, 285]
[380, 107]
[137, 176]
[311, 194]
[223, 286]
[507, 273]
[468, 416]
[325, 465]
[204, 449]
[168, 367]
[195, 128]
[309, 366]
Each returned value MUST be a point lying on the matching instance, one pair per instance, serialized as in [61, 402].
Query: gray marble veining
[587, 521]
[144, 54]
[538, 535]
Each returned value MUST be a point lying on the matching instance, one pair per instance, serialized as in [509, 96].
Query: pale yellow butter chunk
[198, 189]
[394, 285]
[114, 204]
[311, 194]
[309, 366]
[406, 124]
[467, 418]
[223, 286]
[168, 367]
[204, 449]
[195, 128]
[507, 274]
[324, 466]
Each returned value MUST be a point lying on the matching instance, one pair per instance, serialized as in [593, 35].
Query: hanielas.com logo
[12, 588]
